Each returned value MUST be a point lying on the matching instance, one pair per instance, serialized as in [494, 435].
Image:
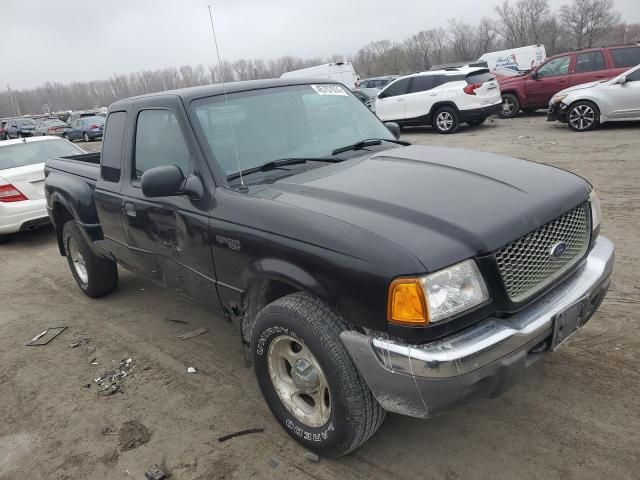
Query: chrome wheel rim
[582, 117]
[299, 381]
[86, 137]
[507, 106]
[78, 261]
[444, 121]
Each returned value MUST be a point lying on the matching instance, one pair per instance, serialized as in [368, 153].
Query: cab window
[159, 142]
[400, 87]
[555, 67]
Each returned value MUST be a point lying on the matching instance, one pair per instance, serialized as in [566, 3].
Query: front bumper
[557, 111]
[480, 361]
[478, 113]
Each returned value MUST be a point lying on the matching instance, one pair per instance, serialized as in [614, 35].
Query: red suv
[533, 90]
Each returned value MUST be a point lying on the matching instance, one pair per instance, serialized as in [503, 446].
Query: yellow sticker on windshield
[328, 89]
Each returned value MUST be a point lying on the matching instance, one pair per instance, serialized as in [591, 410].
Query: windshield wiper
[272, 165]
[367, 143]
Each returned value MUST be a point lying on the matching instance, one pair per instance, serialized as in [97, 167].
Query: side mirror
[165, 181]
[394, 128]
[534, 75]
[622, 81]
[382, 94]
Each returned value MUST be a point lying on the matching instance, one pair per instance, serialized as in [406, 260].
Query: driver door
[623, 100]
[391, 102]
[168, 237]
[548, 80]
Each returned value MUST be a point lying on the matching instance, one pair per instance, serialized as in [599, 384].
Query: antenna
[243, 187]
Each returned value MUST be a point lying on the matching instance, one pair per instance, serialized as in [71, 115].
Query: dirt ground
[576, 414]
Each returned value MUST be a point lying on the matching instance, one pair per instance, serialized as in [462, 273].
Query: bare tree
[522, 23]
[589, 20]
[462, 37]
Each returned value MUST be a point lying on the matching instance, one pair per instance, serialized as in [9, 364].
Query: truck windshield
[297, 121]
[32, 152]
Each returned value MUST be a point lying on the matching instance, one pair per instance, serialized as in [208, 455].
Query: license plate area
[568, 322]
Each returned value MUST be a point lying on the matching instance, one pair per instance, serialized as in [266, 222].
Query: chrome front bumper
[482, 360]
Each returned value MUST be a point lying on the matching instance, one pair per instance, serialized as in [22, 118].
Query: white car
[586, 106]
[441, 98]
[22, 202]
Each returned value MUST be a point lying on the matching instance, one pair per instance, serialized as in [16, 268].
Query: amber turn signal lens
[406, 303]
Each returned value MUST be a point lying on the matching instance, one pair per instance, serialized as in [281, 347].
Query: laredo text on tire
[96, 276]
[308, 378]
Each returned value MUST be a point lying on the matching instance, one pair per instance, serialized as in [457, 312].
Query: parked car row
[601, 89]
[82, 126]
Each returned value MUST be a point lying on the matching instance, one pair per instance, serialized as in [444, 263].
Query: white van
[520, 59]
[340, 72]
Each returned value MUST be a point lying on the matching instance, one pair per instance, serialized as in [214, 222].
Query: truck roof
[191, 93]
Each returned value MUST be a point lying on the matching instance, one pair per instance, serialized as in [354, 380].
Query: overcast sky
[67, 40]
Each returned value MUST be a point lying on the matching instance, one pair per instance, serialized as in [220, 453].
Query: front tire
[583, 116]
[96, 276]
[446, 120]
[308, 378]
[510, 106]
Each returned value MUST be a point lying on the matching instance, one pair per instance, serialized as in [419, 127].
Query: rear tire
[300, 333]
[510, 106]
[96, 276]
[446, 120]
[583, 116]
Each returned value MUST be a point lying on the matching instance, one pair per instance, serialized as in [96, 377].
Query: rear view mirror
[165, 181]
[393, 128]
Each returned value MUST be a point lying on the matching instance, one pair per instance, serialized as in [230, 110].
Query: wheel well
[438, 105]
[60, 216]
[586, 101]
[260, 294]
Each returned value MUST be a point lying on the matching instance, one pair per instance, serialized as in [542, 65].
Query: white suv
[441, 98]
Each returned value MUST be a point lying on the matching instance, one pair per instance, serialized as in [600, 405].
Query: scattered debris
[79, 342]
[132, 435]
[175, 320]
[87, 385]
[273, 463]
[312, 457]
[50, 333]
[109, 431]
[112, 381]
[192, 370]
[240, 433]
[194, 333]
[155, 473]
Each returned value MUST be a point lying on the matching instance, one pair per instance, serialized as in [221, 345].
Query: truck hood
[442, 205]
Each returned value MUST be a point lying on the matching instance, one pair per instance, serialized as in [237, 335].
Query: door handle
[129, 209]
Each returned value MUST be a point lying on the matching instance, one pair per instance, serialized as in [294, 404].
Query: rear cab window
[111, 160]
[590, 62]
[625, 56]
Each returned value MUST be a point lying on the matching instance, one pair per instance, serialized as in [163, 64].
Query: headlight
[596, 212]
[437, 296]
[557, 98]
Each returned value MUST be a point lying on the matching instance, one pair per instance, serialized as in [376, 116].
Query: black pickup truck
[366, 275]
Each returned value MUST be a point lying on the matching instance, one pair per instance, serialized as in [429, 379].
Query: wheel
[583, 116]
[308, 378]
[475, 123]
[85, 135]
[510, 106]
[446, 120]
[96, 276]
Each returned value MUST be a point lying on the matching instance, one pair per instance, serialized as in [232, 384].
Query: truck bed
[86, 165]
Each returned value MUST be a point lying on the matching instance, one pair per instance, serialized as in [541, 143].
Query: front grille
[527, 264]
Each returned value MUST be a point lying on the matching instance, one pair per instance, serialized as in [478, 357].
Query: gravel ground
[575, 415]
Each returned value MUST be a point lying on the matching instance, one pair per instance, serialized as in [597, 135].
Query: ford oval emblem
[558, 249]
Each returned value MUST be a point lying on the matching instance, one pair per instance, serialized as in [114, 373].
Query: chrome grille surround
[527, 264]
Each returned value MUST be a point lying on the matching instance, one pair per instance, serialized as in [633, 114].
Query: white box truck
[340, 72]
[520, 59]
